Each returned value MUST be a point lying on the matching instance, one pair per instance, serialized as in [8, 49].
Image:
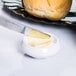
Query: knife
[11, 25]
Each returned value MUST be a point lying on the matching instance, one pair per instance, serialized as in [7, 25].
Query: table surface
[14, 63]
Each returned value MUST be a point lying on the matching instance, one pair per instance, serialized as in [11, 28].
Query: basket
[16, 7]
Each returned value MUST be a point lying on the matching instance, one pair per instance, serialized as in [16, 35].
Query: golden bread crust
[50, 9]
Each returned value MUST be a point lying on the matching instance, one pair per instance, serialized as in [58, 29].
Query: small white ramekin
[38, 52]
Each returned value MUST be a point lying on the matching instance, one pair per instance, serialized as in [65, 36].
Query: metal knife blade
[12, 25]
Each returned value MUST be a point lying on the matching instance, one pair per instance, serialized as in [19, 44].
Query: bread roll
[50, 9]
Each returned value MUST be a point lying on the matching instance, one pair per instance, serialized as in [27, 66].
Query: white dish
[40, 52]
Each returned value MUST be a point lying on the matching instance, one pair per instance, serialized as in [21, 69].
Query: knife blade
[12, 25]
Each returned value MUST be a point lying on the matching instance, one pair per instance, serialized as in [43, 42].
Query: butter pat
[38, 34]
[36, 38]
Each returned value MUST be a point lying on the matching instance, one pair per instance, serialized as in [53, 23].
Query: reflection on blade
[11, 25]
